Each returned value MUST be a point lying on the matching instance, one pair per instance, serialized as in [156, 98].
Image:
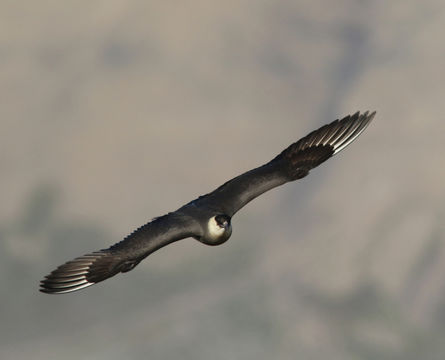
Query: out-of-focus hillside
[114, 112]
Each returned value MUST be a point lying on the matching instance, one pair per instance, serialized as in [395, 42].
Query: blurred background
[114, 112]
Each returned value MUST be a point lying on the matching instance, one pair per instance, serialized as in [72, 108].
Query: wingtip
[368, 114]
[72, 276]
[354, 126]
[47, 288]
[60, 283]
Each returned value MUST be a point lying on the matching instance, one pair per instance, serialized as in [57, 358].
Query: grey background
[113, 112]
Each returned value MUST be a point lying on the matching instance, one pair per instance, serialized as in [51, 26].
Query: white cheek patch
[214, 229]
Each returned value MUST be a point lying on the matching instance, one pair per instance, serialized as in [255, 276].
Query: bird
[208, 218]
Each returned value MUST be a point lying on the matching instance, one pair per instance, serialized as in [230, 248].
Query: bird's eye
[222, 220]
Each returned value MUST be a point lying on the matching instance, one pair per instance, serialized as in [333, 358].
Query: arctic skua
[208, 218]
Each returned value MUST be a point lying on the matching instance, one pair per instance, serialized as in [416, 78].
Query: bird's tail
[84, 271]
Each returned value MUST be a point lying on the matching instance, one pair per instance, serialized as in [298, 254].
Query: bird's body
[208, 218]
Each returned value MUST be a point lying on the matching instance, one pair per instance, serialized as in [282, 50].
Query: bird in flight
[208, 218]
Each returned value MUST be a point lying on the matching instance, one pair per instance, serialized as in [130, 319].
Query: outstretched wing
[293, 163]
[89, 269]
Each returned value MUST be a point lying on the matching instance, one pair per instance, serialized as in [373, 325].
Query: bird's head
[218, 230]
